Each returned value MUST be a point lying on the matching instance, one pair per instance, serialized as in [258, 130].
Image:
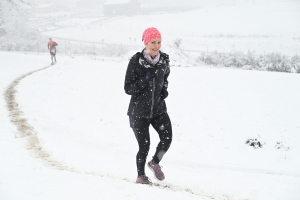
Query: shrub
[211, 59]
[296, 63]
[177, 43]
[278, 63]
[270, 62]
[255, 143]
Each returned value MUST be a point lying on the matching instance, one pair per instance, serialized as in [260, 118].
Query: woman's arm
[164, 91]
[134, 84]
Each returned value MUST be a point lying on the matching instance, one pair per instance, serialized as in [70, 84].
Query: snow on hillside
[66, 134]
[261, 27]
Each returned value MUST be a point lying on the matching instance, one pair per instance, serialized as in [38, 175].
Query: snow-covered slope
[67, 135]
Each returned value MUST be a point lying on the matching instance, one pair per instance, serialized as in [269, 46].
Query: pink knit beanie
[150, 34]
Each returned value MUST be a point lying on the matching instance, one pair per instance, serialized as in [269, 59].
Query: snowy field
[260, 27]
[65, 133]
[82, 141]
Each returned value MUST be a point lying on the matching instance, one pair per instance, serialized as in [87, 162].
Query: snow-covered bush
[296, 63]
[177, 43]
[234, 59]
[277, 62]
[251, 59]
[268, 62]
[2, 30]
[15, 31]
[254, 143]
[211, 59]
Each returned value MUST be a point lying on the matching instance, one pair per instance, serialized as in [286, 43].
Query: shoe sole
[144, 183]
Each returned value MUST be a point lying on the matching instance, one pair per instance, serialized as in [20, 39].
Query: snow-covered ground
[65, 133]
[260, 27]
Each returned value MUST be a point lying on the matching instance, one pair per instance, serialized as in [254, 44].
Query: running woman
[146, 81]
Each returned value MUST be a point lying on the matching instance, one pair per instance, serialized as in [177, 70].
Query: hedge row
[269, 62]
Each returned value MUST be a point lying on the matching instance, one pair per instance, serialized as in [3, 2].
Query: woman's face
[153, 47]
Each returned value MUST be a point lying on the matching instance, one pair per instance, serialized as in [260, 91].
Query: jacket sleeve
[133, 84]
[164, 92]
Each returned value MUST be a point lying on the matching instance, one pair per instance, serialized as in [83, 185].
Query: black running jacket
[147, 97]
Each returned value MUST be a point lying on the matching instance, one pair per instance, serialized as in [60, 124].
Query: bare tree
[13, 2]
[2, 29]
[16, 30]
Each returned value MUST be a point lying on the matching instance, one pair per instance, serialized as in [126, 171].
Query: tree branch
[22, 1]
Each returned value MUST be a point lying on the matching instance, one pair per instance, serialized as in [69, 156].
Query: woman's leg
[51, 56]
[162, 124]
[140, 128]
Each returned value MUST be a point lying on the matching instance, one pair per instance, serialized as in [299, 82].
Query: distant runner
[52, 46]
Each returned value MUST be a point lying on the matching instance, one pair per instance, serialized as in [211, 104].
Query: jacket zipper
[153, 90]
[136, 103]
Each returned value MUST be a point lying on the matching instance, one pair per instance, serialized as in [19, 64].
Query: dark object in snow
[280, 145]
[254, 142]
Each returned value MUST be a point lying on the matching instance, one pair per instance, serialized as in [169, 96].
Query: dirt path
[25, 130]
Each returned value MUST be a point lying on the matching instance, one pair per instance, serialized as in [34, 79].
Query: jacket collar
[146, 64]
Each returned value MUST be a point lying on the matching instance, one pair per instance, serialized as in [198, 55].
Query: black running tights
[140, 126]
